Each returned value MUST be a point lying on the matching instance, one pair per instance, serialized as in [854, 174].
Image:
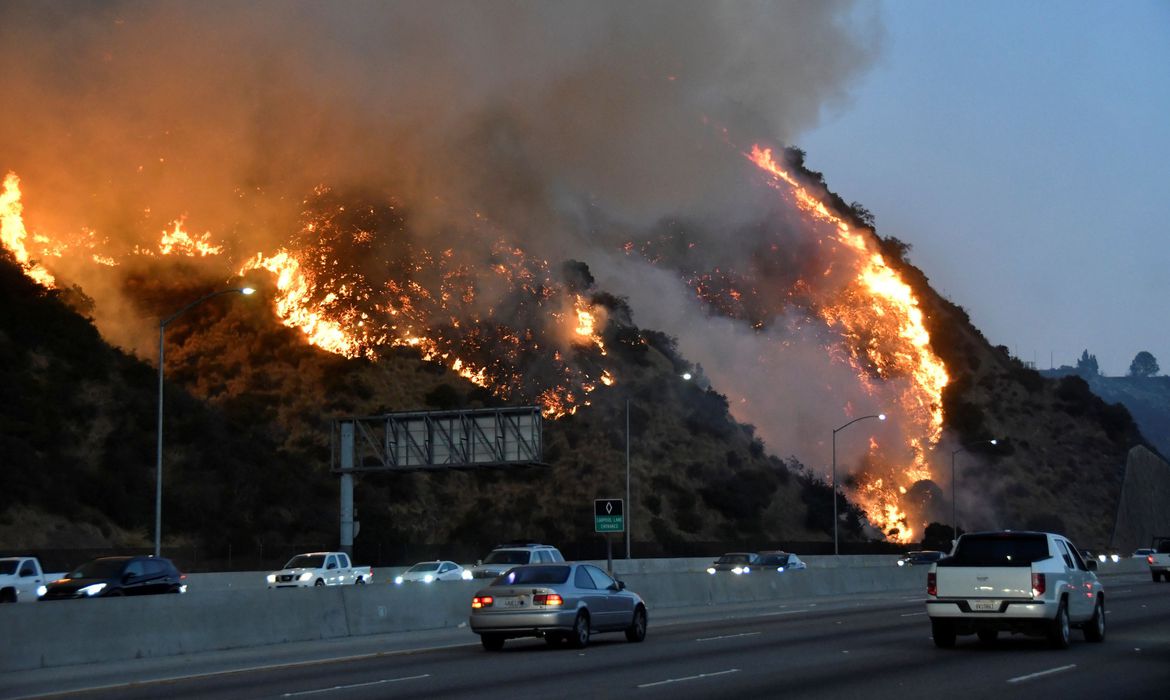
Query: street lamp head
[881, 416]
[686, 376]
[247, 290]
[994, 442]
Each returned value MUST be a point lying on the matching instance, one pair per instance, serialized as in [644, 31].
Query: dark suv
[107, 577]
[520, 553]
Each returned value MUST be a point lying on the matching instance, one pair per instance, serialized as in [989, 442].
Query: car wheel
[1058, 628]
[8, 595]
[987, 636]
[579, 637]
[943, 632]
[117, 592]
[491, 642]
[636, 632]
[1095, 628]
[1155, 576]
[320, 582]
[360, 581]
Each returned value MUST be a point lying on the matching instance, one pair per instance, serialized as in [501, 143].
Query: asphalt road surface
[876, 648]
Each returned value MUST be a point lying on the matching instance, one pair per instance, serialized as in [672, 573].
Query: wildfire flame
[880, 316]
[13, 233]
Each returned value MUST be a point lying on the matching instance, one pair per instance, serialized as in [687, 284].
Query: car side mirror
[127, 576]
[479, 562]
[621, 585]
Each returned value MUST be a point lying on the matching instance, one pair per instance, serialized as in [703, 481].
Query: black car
[107, 577]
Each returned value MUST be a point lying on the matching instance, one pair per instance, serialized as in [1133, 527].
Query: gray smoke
[571, 125]
[124, 115]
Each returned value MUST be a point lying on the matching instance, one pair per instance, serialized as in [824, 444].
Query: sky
[1021, 149]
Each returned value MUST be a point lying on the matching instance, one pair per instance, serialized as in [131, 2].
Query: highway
[875, 647]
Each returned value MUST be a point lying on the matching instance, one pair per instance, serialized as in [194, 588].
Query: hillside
[250, 402]
[1146, 398]
[247, 461]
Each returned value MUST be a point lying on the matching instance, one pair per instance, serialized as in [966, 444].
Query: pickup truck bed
[1159, 559]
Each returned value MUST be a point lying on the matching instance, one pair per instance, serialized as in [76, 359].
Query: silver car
[564, 602]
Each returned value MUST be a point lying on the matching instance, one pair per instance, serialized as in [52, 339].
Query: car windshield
[534, 574]
[98, 568]
[507, 556]
[999, 550]
[8, 567]
[423, 566]
[306, 561]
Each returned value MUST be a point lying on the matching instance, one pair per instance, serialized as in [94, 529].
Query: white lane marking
[727, 636]
[781, 612]
[1030, 676]
[355, 685]
[912, 614]
[690, 678]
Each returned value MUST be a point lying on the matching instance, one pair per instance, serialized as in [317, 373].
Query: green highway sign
[609, 515]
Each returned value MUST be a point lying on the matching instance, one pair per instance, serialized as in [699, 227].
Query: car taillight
[932, 584]
[481, 601]
[548, 599]
[1039, 585]
[1150, 559]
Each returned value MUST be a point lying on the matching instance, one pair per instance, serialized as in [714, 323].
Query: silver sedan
[563, 602]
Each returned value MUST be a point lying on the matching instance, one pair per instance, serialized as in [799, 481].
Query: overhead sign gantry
[417, 441]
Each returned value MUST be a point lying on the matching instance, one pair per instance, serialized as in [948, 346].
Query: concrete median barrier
[237, 611]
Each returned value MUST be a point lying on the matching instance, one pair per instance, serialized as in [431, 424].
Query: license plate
[985, 605]
[511, 602]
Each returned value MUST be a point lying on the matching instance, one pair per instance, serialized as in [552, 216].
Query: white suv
[505, 556]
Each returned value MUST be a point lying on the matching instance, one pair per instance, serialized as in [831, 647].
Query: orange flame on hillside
[13, 233]
[880, 316]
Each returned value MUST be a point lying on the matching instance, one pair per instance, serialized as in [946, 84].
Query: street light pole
[954, 508]
[879, 416]
[162, 326]
[629, 506]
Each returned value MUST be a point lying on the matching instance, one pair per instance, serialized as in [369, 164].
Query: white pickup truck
[1159, 559]
[22, 580]
[320, 569]
[1033, 583]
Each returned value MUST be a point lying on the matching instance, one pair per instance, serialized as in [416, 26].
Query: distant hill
[1146, 398]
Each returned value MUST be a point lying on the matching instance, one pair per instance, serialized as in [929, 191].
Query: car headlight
[41, 591]
[398, 580]
[466, 575]
[711, 570]
[92, 589]
[901, 562]
[737, 570]
[183, 588]
[1115, 557]
[305, 576]
[780, 569]
[1101, 558]
[271, 578]
[428, 578]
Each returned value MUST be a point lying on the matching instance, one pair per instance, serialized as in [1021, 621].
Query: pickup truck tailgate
[984, 582]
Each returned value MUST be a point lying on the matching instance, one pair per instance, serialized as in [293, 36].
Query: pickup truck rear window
[8, 568]
[1164, 547]
[998, 550]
